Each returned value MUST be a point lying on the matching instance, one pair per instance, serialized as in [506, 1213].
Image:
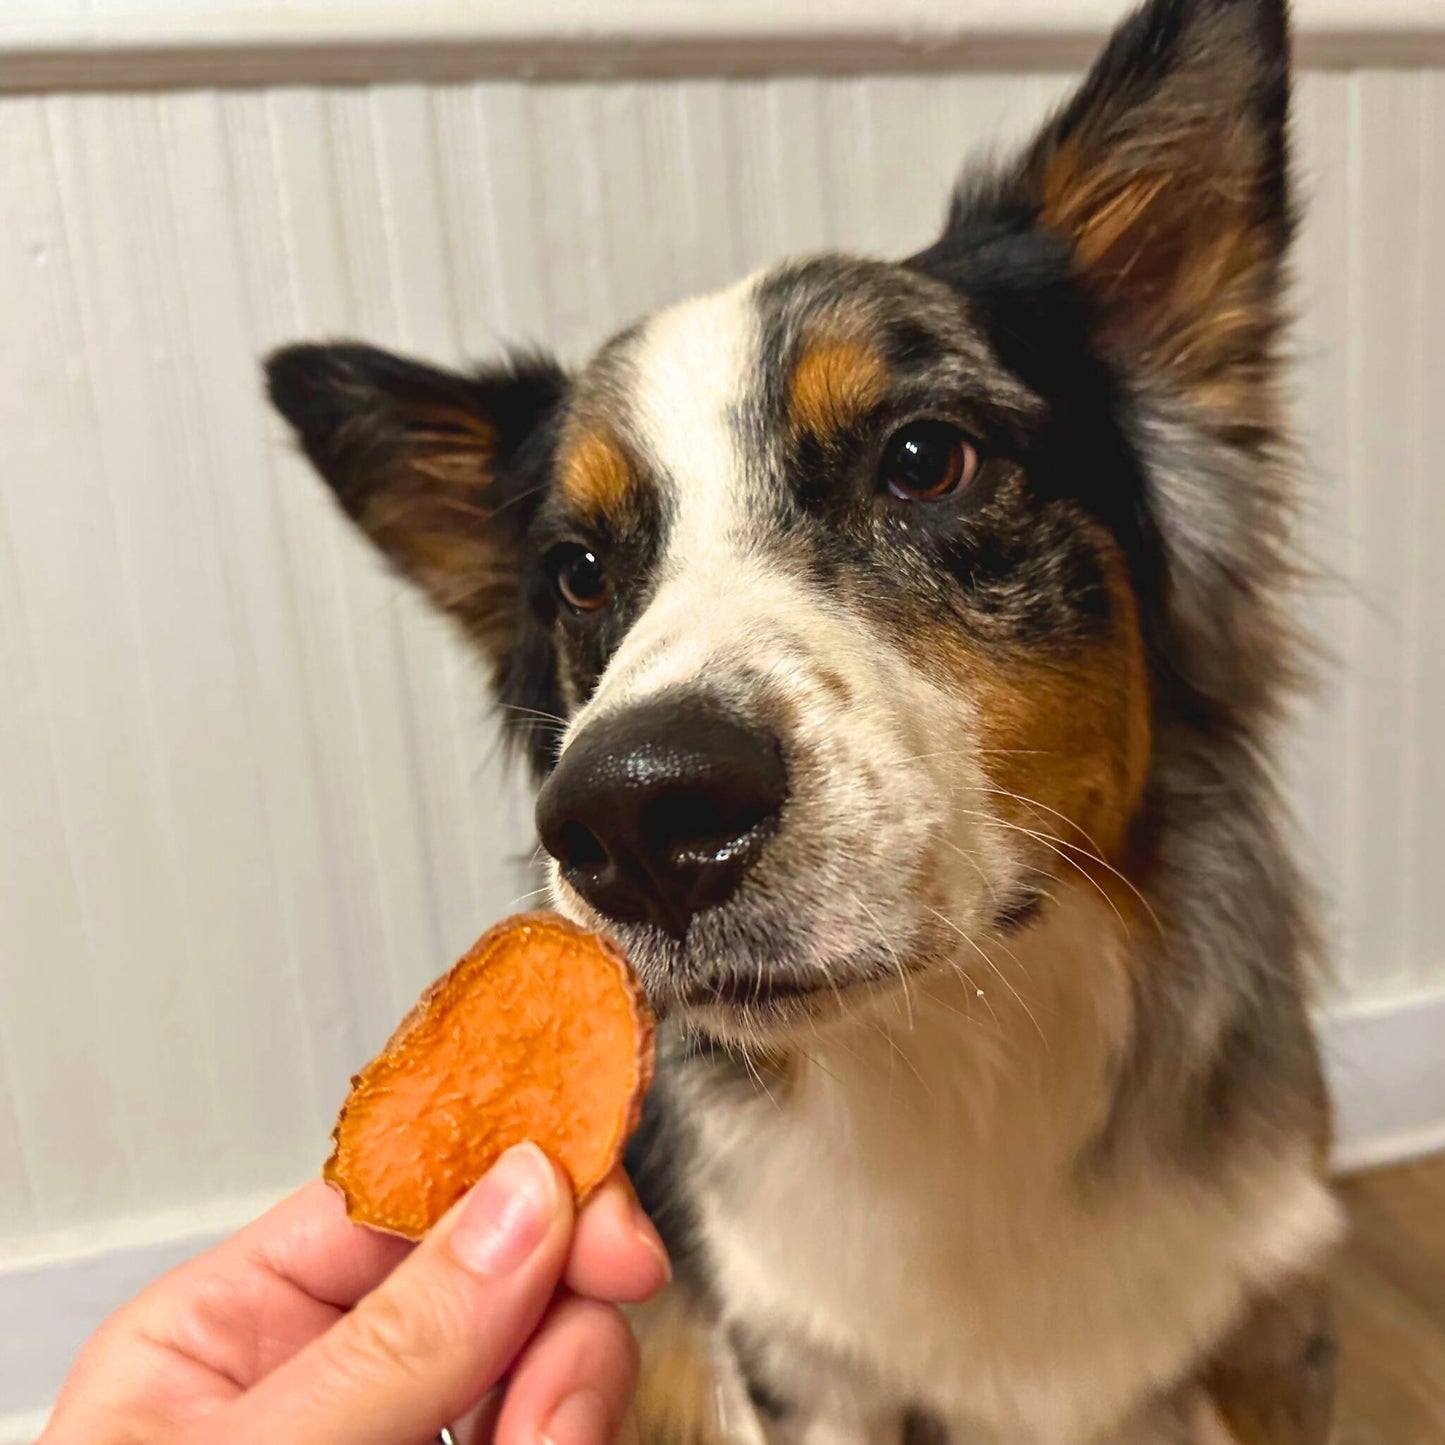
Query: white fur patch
[690, 369]
[693, 366]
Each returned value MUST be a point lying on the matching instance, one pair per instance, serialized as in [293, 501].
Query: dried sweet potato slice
[539, 1032]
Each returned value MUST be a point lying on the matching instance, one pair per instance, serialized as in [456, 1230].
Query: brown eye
[926, 460]
[580, 579]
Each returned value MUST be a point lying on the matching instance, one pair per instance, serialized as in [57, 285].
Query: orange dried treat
[540, 1032]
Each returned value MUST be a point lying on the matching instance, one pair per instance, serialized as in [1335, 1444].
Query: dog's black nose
[656, 814]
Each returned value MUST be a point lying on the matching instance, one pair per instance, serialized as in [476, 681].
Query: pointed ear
[442, 471]
[1166, 177]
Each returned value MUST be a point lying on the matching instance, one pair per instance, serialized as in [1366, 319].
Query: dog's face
[794, 542]
[846, 587]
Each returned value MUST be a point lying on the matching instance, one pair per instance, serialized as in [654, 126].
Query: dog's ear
[1165, 175]
[441, 471]
[444, 472]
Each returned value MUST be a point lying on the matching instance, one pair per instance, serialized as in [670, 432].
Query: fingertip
[617, 1254]
[575, 1383]
[520, 1202]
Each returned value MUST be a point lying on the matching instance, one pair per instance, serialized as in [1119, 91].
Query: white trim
[1387, 1069]
[58, 1287]
[1388, 1149]
[167, 43]
[22, 1429]
[132, 1234]
[1386, 1063]
[250, 22]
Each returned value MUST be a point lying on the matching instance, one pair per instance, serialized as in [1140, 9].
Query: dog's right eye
[926, 460]
[579, 578]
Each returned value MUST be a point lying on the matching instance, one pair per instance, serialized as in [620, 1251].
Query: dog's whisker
[1003, 978]
[892, 954]
[757, 1077]
[954, 966]
[527, 897]
[895, 1053]
[1056, 847]
[536, 713]
[973, 861]
[1094, 856]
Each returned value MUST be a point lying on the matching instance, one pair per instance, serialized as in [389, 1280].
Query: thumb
[439, 1332]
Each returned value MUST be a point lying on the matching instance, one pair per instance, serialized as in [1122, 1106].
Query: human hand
[306, 1328]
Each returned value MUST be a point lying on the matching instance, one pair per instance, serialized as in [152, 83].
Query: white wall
[249, 797]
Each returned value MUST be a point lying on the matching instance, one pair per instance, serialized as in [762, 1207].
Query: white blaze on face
[690, 373]
[693, 366]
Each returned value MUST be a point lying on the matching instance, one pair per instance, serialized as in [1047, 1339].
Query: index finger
[617, 1256]
[243, 1307]
[307, 1241]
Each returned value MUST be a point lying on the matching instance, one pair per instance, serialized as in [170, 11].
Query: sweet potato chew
[539, 1032]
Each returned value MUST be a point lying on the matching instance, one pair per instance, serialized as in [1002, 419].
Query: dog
[900, 648]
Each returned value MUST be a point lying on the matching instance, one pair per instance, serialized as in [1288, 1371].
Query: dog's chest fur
[906, 1225]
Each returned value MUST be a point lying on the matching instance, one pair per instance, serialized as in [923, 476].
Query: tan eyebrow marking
[835, 383]
[597, 474]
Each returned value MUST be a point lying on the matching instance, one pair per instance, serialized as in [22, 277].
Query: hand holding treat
[505, 1315]
[539, 1033]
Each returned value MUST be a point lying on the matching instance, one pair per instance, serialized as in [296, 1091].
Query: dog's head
[863, 593]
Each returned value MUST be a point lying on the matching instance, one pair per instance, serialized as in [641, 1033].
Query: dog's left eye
[580, 578]
[926, 460]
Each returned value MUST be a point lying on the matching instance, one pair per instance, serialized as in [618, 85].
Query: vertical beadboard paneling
[1382, 277]
[123, 1000]
[251, 790]
[493, 199]
[1321, 344]
[709, 209]
[1425, 663]
[272, 521]
[345, 607]
[563, 123]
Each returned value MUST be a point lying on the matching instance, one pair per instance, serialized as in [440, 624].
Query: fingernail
[581, 1419]
[647, 1233]
[506, 1215]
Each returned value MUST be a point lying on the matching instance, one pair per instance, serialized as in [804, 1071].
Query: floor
[1390, 1303]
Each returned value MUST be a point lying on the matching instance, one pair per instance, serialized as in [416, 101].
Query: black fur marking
[1021, 910]
[629, 547]
[1017, 281]
[767, 1397]
[920, 1427]
[1009, 555]
[1021, 283]
[1154, 42]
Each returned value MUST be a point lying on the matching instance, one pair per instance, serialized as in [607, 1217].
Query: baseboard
[55, 1292]
[22, 1429]
[1386, 1064]
[1387, 1070]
